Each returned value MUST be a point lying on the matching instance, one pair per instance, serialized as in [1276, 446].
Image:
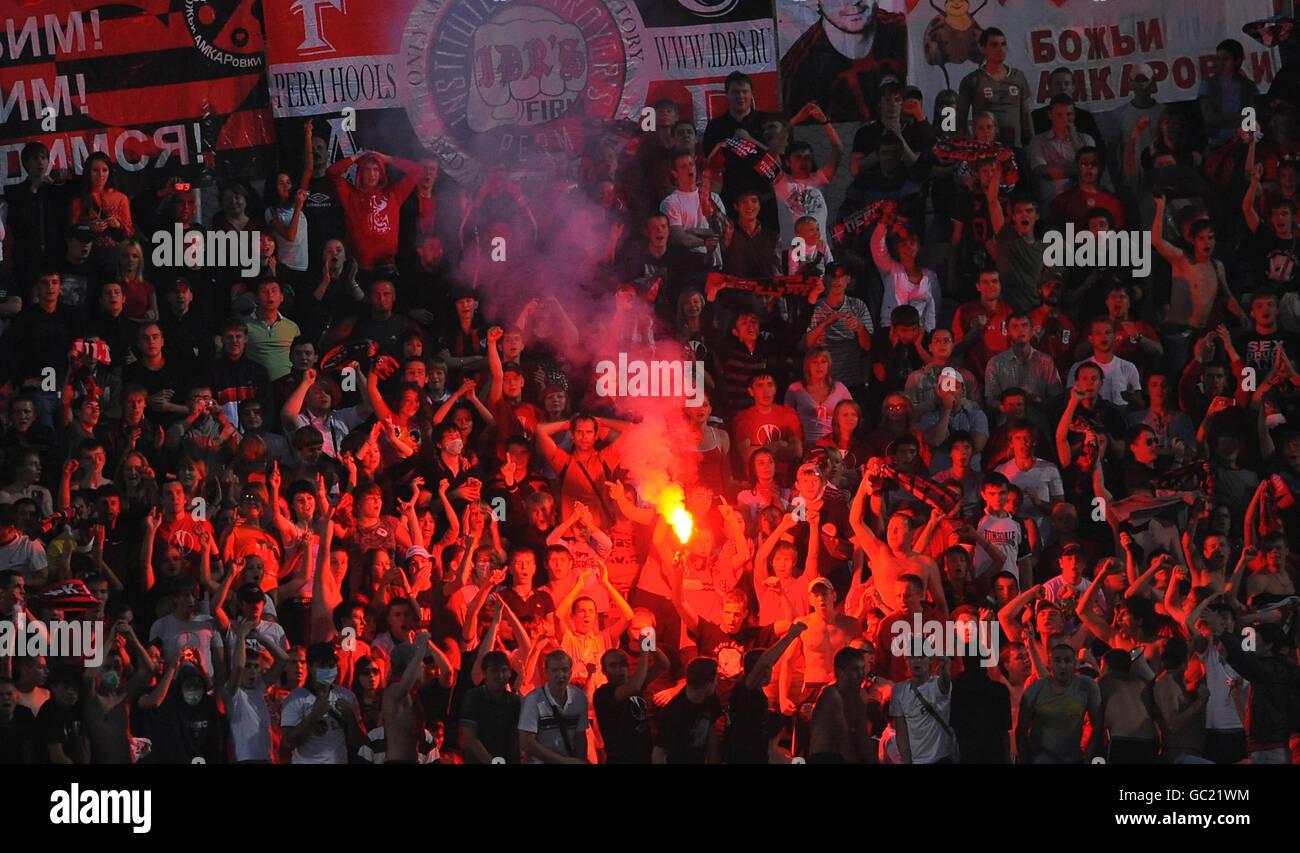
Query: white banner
[1102, 41]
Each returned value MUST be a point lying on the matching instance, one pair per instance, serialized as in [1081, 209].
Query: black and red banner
[172, 85]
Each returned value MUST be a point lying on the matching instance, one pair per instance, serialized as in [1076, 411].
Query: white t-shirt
[1054, 589]
[929, 741]
[1117, 376]
[24, 555]
[556, 725]
[330, 746]
[683, 211]
[291, 253]
[200, 634]
[1043, 480]
[271, 630]
[1220, 710]
[796, 199]
[1005, 534]
[250, 723]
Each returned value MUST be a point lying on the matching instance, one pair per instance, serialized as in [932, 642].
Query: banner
[481, 82]
[839, 51]
[156, 84]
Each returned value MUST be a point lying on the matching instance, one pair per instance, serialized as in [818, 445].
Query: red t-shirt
[1126, 346]
[1055, 336]
[760, 428]
[995, 339]
[184, 534]
[253, 541]
[1073, 205]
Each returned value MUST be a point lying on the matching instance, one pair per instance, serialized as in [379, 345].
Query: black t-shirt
[56, 724]
[918, 134]
[730, 650]
[80, 285]
[749, 726]
[981, 717]
[182, 733]
[738, 176]
[496, 721]
[1267, 258]
[1260, 351]
[18, 739]
[169, 376]
[624, 725]
[324, 215]
[684, 728]
[972, 211]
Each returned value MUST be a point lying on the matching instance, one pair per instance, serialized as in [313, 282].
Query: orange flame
[672, 506]
[681, 523]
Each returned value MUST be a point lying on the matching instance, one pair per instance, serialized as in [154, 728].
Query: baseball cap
[417, 551]
[1072, 548]
[82, 233]
[1145, 70]
[822, 582]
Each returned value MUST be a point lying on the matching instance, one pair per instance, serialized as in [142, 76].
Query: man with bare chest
[892, 559]
[841, 731]
[1128, 707]
[816, 645]
[1197, 278]
[402, 716]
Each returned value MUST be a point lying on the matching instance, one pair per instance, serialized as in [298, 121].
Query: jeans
[1281, 755]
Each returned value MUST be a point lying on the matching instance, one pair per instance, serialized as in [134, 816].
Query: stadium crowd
[372, 505]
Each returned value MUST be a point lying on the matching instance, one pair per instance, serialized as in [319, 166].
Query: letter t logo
[314, 40]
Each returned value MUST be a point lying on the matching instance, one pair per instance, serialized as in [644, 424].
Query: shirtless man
[109, 698]
[893, 558]
[840, 729]
[1271, 578]
[1197, 278]
[403, 726]
[1014, 670]
[1128, 709]
[815, 644]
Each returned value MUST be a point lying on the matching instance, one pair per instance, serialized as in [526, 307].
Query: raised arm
[293, 406]
[688, 614]
[414, 667]
[1167, 250]
[1248, 201]
[862, 535]
[1087, 610]
[1063, 425]
[1009, 615]
[762, 571]
[555, 457]
[494, 335]
[773, 655]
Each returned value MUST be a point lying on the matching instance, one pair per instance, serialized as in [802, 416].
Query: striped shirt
[555, 724]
